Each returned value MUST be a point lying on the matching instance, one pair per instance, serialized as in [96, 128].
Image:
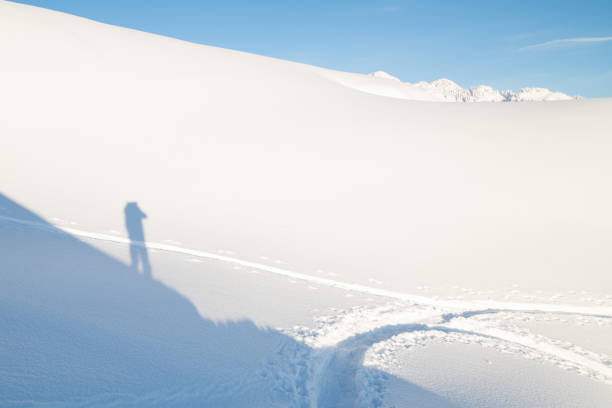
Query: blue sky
[508, 44]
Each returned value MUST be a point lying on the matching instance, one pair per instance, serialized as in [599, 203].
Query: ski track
[470, 307]
[331, 364]
[350, 372]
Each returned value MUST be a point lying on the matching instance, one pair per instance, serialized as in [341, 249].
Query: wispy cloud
[567, 42]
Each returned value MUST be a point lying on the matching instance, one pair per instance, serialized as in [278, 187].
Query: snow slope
[302, 233]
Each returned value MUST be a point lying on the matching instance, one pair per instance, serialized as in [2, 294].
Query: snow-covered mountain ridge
[446, 90]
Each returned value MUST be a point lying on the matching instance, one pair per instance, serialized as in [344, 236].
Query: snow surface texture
[310, 245]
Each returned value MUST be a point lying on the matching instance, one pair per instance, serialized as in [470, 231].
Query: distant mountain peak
[444, 89]
[384, 75]
[445, 84]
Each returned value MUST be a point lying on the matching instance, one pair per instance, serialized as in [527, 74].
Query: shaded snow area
[189, 226]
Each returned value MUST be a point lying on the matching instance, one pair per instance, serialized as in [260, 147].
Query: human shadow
[81, 328]
[138, 249]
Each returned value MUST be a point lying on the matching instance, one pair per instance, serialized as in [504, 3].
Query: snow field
[301, 224]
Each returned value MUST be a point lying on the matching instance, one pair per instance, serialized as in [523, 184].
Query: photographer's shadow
[138, 249]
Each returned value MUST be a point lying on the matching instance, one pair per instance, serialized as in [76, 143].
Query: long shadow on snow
[78, 327]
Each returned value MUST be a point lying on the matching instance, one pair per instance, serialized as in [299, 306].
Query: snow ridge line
[605, 312]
